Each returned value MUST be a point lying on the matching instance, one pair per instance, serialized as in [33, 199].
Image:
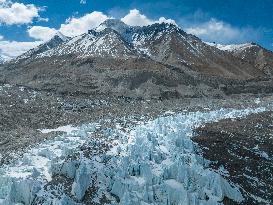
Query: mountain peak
[56, 40]
[61, 36]
[162, 26]
[114, 24]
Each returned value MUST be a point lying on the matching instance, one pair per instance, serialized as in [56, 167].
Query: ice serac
[152, 163]
[82, 182]
[159, 165]
[21, 191]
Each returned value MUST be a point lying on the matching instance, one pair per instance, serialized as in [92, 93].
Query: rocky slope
[156, 61]
[243, 146]
[253, 53]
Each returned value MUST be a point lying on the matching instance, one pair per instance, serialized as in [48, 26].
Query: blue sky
[226, 22]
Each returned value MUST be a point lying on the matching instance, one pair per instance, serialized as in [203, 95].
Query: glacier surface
[155, 162]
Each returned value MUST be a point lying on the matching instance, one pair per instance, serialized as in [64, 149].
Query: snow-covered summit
[60, 36]
[120, 26]
[115, 24]
[128, 32]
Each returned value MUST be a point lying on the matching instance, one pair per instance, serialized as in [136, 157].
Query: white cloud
[1, 37]
[135, 18]
[11, 49]
[221, 32]
[213, 27]
[17, 13]
[41, 33]
[76, 26]
[43, 19]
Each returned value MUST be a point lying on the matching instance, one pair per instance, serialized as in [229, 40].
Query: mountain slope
[253, 53]
[132, 77]
[58, 39]
[169, 44]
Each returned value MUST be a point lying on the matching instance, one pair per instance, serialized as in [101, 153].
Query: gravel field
[244, 148]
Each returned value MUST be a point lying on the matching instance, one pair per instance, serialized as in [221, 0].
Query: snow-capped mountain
[156, 60]
[169, 44]
[165, 43]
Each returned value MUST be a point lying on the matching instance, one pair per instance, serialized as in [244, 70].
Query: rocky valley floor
[244, 148]
[59, 149]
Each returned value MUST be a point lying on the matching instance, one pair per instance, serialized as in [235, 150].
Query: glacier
[154, 162]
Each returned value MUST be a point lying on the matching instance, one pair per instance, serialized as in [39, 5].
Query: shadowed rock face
[156, 61]
[244, 147]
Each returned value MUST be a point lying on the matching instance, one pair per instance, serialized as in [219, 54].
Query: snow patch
[68, 129]
[231, 47]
